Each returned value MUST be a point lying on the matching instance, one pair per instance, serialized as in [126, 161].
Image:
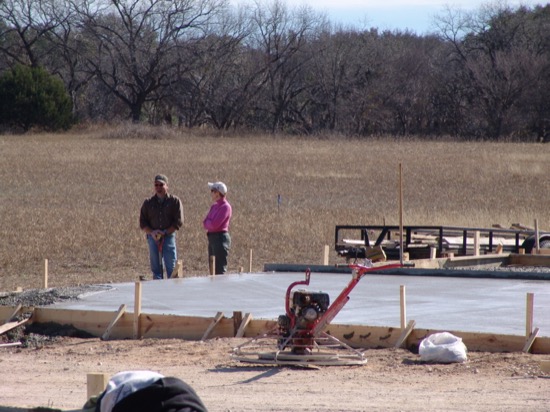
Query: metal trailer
[351, 241]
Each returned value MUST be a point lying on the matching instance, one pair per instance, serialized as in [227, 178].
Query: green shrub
[31, 97]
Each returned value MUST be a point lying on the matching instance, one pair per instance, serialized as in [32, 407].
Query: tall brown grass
[74, 198]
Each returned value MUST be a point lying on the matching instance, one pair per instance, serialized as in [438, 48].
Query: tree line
[269, 67]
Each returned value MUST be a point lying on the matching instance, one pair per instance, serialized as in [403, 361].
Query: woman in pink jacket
[216, 224]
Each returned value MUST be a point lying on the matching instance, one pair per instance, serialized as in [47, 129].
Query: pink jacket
[218, 217]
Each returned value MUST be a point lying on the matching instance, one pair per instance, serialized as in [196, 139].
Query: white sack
[442, 347]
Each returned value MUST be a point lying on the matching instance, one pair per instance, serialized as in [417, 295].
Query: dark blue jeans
[169, 256]
[218, 246]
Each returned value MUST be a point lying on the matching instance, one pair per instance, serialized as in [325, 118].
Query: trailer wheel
[529, 243]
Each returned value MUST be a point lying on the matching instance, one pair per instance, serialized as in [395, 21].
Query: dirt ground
[53, 375]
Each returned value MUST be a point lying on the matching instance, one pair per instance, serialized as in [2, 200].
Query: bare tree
[27, 24]
[281, 35]
[137, 44]
[495, 61]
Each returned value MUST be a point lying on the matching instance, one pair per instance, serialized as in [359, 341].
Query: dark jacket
[161, 215]
[165, 395]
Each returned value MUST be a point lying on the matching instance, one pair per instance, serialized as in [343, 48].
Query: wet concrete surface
[454, 304]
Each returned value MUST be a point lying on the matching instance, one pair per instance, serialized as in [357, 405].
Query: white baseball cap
[218, 186]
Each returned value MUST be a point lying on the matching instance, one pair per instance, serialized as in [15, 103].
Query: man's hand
[157, 234]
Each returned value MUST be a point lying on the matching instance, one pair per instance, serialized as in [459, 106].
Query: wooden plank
[246, 320]
[376, 254]
[405, 334]
[530, 341]
[530, 260]
[14, 313]
[6, 327]
[9, 345]
[212, 325]
[96, 383]
[107, 333]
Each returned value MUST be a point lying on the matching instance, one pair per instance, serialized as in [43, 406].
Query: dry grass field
[74, 198]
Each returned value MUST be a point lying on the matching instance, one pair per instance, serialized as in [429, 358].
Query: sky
[414, 15]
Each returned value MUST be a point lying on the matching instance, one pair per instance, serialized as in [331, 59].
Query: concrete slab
[459, 304]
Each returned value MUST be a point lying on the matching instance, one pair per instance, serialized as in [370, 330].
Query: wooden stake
[403, 305]
[96, 383]
[537, 245]
[137, 310]
[246, 320]
[530, 340]
[237, 319]
[529, 314]
[400, 213]
[476, 243]
[178, 270]
[45, 280]
[250, 262]
[212, 265]
[212, 325]
[325, 255]
[118, 315]
[405, 334]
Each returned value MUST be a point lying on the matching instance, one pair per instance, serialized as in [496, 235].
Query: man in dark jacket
[160, 216]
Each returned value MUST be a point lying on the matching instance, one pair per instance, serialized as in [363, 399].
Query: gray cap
[161, 178]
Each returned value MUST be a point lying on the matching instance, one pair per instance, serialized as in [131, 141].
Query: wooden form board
[530, 260]
[192, 328]
[6, 327]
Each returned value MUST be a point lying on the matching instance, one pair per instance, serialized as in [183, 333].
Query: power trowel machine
[299, 337]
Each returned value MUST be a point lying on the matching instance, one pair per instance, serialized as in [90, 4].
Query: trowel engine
[304, 311]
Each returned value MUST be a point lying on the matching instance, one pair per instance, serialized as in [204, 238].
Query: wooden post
[325, 255]
[401, 213]
[237, 319]
[403, 305]
[96, 382]
[250, 262]
[137, 310]
[45, 280]
[212, 265]
[476, 243]
[529, 314]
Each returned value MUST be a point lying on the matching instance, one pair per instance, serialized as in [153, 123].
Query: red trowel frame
[310, 338]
